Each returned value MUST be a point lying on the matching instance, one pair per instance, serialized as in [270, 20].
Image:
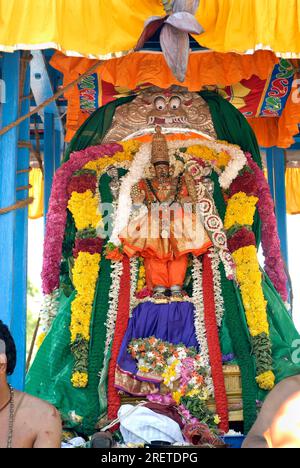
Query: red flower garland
[244, 183]
[274, 264]
[91, 246]
[82, 183]
[114, 400]
[213, 342]
[242, 238]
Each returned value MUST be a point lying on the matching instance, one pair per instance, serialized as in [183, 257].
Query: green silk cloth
[50, 375]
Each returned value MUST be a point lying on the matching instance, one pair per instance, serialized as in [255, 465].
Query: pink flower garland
[57, 214]
[274, 265]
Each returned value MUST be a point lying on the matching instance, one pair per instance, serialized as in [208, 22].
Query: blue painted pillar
[280, 199]
[8, 168]
[19, 317]
[49, 157]
[58, 149]
[270, 166]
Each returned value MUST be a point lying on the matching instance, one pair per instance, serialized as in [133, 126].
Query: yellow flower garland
[250, 278]
[240, 210]
[85, 274]
[130, 149]
[84, 207]
[80, 379]
[142, 277]
[208, 154]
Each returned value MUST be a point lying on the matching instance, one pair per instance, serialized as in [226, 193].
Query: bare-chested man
[278, 425]
[25, 421]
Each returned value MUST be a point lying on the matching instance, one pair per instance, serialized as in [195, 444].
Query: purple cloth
[172, 322]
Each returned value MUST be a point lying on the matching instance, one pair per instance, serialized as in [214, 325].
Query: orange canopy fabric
[105, 29]
[279, 131]
[205, 69]
[130, 72]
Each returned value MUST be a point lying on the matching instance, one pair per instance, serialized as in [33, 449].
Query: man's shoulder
[36, 405]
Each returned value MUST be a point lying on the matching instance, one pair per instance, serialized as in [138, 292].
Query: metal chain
[11, 418]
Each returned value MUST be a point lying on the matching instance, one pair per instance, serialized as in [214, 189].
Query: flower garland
[239, 220]
[240, 211]
[57, 214]
[71, 182]
[84, 207]
[219, 301]
[213, 342]
[47, 315]
[114, 399]
[135, 174]
[211, 150]
[228, 160]
[274, 264]
[200, 328]
[117, 272]
[134, 279]
[214, 226]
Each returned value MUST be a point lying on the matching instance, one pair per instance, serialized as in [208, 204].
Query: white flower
[182, 355]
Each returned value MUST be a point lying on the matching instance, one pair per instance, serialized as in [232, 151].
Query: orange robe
[165, 237]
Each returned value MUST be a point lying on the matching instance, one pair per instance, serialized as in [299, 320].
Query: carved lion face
[172, 108]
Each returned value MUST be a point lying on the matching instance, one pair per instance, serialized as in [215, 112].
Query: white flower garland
[200, 319]
[135, 174]
[116, 274]
[237, 163]
[134, 269]
[49, 311]
[209, 214]
[142, 161]
[219, 301]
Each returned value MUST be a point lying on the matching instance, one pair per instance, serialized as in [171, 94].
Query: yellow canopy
[105, 29]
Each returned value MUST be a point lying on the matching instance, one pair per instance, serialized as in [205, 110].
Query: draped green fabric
[50, 375]
[231, 125]
[94, 129]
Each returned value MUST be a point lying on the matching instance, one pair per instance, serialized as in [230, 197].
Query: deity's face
[162, 171]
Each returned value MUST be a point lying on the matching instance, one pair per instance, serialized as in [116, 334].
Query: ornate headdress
[160, 151]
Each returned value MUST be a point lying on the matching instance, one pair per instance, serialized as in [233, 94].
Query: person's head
[162, 170]
[8, 355]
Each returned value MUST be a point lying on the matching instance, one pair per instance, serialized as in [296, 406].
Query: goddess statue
[169, 230]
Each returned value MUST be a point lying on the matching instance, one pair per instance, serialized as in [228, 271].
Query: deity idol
[161, 295]
[169, 230]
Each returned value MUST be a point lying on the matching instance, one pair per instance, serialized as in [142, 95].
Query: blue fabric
[172, 322]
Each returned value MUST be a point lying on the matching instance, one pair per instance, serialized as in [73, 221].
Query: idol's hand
[138, 197]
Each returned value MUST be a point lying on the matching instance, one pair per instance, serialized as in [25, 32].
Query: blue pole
[58, 149]
[280, 199]
[8, 167]
[18, 325]
[270, 166]
[49, 158]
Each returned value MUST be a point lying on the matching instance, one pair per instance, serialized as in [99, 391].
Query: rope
[20, 204]
[55, 96]
[24, 171]
[24, 187]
